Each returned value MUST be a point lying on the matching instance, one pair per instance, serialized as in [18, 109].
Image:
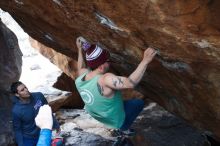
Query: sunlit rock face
[184, 77]
[66, 80]
[67, 64]
[10, 70]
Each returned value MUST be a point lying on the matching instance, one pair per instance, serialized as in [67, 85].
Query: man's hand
[82, 43]
[44, 118]
[149, 55]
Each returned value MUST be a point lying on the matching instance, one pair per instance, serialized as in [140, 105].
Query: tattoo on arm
[100, 88]
[114, 82]
[117, 81]
[120, 81]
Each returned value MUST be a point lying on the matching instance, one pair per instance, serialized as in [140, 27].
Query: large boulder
[10, 71]
[183, 78]
[10, 57]
[154, 127]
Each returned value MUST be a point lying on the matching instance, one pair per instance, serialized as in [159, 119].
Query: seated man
[100, 90]
[25, 108]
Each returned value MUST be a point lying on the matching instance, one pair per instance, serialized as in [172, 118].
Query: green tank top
[109, 111]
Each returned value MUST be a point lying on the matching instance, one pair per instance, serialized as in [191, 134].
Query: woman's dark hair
[14, 86]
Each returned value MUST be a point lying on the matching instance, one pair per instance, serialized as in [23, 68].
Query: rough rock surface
[157, 127]
[79, 128]
[10, 57]
[184, 77]
[154, 127]
[10, 70]
[66, 83]
[55, 97]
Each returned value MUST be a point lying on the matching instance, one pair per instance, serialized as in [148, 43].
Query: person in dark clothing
[25, 109]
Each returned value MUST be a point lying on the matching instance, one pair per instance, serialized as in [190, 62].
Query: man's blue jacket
[24, 117]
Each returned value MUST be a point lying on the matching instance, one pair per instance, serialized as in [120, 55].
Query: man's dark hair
[14, 86]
